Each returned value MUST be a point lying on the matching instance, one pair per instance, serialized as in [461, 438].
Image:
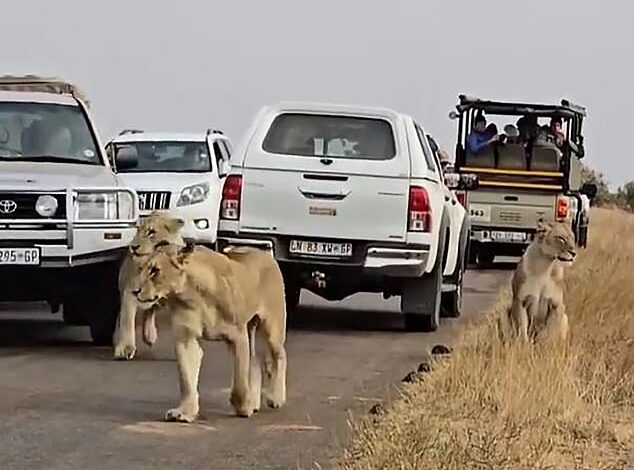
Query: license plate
[20, 256]
[508, 236]
[309, 248]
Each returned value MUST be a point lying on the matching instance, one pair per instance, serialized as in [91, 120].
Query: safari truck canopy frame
[526, 164]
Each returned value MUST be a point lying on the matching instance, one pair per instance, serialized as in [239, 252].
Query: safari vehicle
[178, 173]
[349, 199]
[524, 176]
[65, 217]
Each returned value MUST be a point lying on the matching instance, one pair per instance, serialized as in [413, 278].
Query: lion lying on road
[537, 310]
[153, 230]
[225, 297]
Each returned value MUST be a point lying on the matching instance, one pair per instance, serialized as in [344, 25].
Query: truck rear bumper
[381, 259]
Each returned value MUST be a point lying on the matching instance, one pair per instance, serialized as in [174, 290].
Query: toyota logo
[7, 206]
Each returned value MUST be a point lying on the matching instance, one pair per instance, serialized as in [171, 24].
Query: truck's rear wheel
[451, 303]
[421, 297]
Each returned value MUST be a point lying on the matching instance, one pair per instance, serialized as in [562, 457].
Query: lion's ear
[174, 225]
[185, 252]
[543, 227]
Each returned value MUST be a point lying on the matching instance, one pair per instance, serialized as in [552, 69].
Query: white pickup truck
[349, 199]
[65, 217]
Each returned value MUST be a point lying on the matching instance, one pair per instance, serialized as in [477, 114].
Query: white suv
[65, 217]
[349, 199]
[178, 173]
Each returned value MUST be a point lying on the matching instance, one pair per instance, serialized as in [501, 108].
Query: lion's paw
[178, 416]
[124, 352]
[274, 404]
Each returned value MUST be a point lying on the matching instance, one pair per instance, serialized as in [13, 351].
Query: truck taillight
[419, 210]
[231, 194]
[562, 208]
[462, 197]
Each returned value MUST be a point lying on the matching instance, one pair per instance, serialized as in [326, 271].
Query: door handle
[333, 196]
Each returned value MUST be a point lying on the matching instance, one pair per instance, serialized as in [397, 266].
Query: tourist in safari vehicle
[530, 171]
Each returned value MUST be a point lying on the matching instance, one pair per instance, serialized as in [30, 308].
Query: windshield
[330, 136]
[47, 132]
[173, 157]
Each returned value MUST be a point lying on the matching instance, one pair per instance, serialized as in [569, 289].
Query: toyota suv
[349, 199]
[65, 217]
[177, 173]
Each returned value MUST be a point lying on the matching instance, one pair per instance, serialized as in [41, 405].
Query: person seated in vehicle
[512, 134]
[479, 138]
[556, 130]
[528, 127]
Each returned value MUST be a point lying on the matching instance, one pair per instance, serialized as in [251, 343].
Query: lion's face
[154, 230]
[556, 240]
[162, 274]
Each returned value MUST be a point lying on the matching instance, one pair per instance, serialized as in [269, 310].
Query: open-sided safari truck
[532, 171]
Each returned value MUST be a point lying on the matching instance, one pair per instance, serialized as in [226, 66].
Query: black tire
[485, 258]
[421, 297]
[292, 293]
[104, 307]
[102, 325]
[472, 253]
[74, 313]
[451, 302]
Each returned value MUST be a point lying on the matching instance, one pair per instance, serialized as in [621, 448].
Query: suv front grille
[21, 206]
[154, 200]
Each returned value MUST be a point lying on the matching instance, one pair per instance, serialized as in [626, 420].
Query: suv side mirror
[126, 157]
[453, 115]
[589, 189]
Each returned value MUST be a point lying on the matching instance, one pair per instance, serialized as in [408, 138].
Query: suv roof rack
[34, 83]
[214, 131]
[131, 131]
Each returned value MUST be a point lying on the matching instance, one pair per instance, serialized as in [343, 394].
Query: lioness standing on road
[537, 310]
[226, 297]
[153, 230]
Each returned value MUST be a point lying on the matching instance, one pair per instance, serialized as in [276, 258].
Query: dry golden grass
[496, 407]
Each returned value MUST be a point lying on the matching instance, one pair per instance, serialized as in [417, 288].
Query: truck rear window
[317, 135]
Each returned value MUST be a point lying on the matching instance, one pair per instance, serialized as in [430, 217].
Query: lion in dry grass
[537, 311]
[152, 231]
[221, 297]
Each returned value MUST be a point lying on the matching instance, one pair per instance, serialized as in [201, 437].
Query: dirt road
[66, 405]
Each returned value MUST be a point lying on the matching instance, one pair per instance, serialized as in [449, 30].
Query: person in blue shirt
[479, 138]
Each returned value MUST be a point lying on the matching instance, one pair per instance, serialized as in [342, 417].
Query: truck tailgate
[500, 208]
[312, 204]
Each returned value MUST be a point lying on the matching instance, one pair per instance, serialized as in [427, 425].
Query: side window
[225, 151]
[222, 153]
[428, 156]
[218, 156]
[110, 154]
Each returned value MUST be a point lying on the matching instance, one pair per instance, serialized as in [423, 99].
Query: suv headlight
[193, 194]
[104, 206]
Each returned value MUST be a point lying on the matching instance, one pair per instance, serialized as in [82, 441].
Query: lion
[537, 309]
[153, 230]
[221, 297]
